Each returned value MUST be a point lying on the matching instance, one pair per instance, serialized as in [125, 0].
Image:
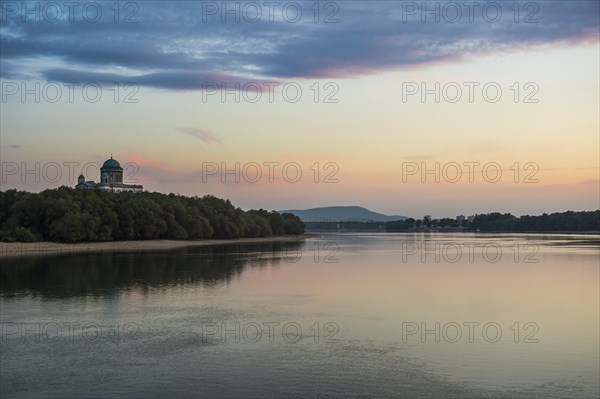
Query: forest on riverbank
[569, 221]
[69, 215]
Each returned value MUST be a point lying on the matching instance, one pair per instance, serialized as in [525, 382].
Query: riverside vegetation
[69, 215]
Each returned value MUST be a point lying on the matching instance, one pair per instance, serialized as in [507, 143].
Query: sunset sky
[364, 130]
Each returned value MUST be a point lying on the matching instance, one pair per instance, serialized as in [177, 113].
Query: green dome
[111, 163]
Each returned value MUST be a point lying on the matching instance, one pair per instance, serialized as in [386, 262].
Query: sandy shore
[49, 248]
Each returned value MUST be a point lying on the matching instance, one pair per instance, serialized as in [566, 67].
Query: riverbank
[454, 231]
[14, 249]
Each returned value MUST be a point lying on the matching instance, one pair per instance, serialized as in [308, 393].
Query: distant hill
[342, 214]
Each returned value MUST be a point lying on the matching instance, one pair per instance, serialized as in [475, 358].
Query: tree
[70, 215]
[427, 220]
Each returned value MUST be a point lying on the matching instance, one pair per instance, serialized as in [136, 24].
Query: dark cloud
[176, 45]
[174, 80]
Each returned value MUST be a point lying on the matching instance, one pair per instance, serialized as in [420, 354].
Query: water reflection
[370, 285]
[71, 275]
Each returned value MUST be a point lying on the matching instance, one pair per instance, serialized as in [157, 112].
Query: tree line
[558, 221]
[495, 221]
[69, 215]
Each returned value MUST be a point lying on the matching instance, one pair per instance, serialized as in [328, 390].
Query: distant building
[111, 179]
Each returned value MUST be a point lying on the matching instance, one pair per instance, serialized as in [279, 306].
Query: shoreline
[42, 248]
[559, 232]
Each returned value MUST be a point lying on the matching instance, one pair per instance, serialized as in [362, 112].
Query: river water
[340, 315]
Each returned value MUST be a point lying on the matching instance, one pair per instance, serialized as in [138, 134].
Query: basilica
[111, 179]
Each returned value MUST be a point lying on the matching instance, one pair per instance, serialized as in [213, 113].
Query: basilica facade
[111, 179]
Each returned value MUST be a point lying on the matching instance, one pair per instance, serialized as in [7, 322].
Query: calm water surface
[347, 315]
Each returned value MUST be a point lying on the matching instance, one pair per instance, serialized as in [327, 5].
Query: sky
[407, 108]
